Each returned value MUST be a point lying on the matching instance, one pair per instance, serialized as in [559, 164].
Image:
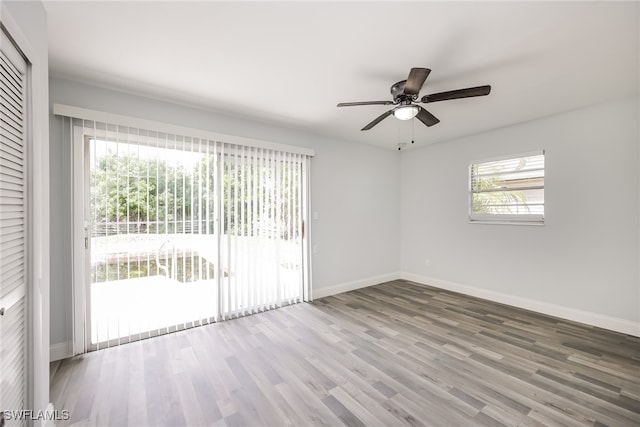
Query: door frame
[80, 252]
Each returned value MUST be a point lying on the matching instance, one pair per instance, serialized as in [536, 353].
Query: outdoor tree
[135, 194]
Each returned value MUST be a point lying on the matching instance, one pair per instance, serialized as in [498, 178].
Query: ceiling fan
[405, 96]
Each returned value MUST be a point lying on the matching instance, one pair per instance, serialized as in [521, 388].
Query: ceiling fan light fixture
[406, 112]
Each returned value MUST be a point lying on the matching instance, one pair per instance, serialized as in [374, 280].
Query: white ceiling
[290, 63]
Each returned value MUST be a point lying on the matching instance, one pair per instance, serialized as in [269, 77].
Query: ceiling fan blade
[416, 79]
[427, 118]
[354, 104]
[378, 119]
[456, 94]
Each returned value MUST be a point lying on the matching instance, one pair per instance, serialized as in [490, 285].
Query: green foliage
[495, 202]
[130, 189]
[151, 194]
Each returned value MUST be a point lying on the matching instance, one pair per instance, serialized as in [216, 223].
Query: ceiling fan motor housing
[397, 91]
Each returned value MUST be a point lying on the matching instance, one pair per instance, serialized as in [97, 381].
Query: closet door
[13, 224]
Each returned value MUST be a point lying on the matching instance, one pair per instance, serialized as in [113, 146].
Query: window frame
[505, 219]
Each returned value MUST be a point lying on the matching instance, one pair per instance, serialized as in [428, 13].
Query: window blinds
[187, 230]
[262, 228]
[508, 189]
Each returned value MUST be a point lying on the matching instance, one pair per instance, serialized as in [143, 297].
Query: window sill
[502, 222]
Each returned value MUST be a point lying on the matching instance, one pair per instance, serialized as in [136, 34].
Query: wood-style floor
[389, 355]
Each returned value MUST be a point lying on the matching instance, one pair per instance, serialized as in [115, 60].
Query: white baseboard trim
[60, 351]
[594, 319]
[356, 284]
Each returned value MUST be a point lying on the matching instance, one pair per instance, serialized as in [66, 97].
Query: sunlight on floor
[121, 308]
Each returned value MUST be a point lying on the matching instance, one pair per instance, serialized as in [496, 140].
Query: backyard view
[183, 232]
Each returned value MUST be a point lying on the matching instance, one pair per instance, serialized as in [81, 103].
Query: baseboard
[356, 284]
[59, 351]
[594, 319]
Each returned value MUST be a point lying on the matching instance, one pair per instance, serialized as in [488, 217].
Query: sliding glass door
[184, 231]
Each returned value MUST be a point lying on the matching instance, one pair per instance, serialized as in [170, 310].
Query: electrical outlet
[316, 249]
[427, 262]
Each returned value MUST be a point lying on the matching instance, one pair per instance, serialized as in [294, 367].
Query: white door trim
[78, 226]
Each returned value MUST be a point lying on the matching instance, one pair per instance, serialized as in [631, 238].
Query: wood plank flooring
[396, 354]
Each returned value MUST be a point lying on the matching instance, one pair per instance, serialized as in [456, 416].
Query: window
[509, 190]
[173, 231]
[186, 231]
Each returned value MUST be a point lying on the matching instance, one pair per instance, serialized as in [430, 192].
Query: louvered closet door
[13, 212]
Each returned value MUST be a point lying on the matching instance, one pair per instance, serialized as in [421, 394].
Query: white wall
[354, 189]
[582, 264]
[26, 22]
[382, 212]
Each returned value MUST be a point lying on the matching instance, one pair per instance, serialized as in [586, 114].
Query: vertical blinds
[262, 226]
[13, 212]
[185, 231]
